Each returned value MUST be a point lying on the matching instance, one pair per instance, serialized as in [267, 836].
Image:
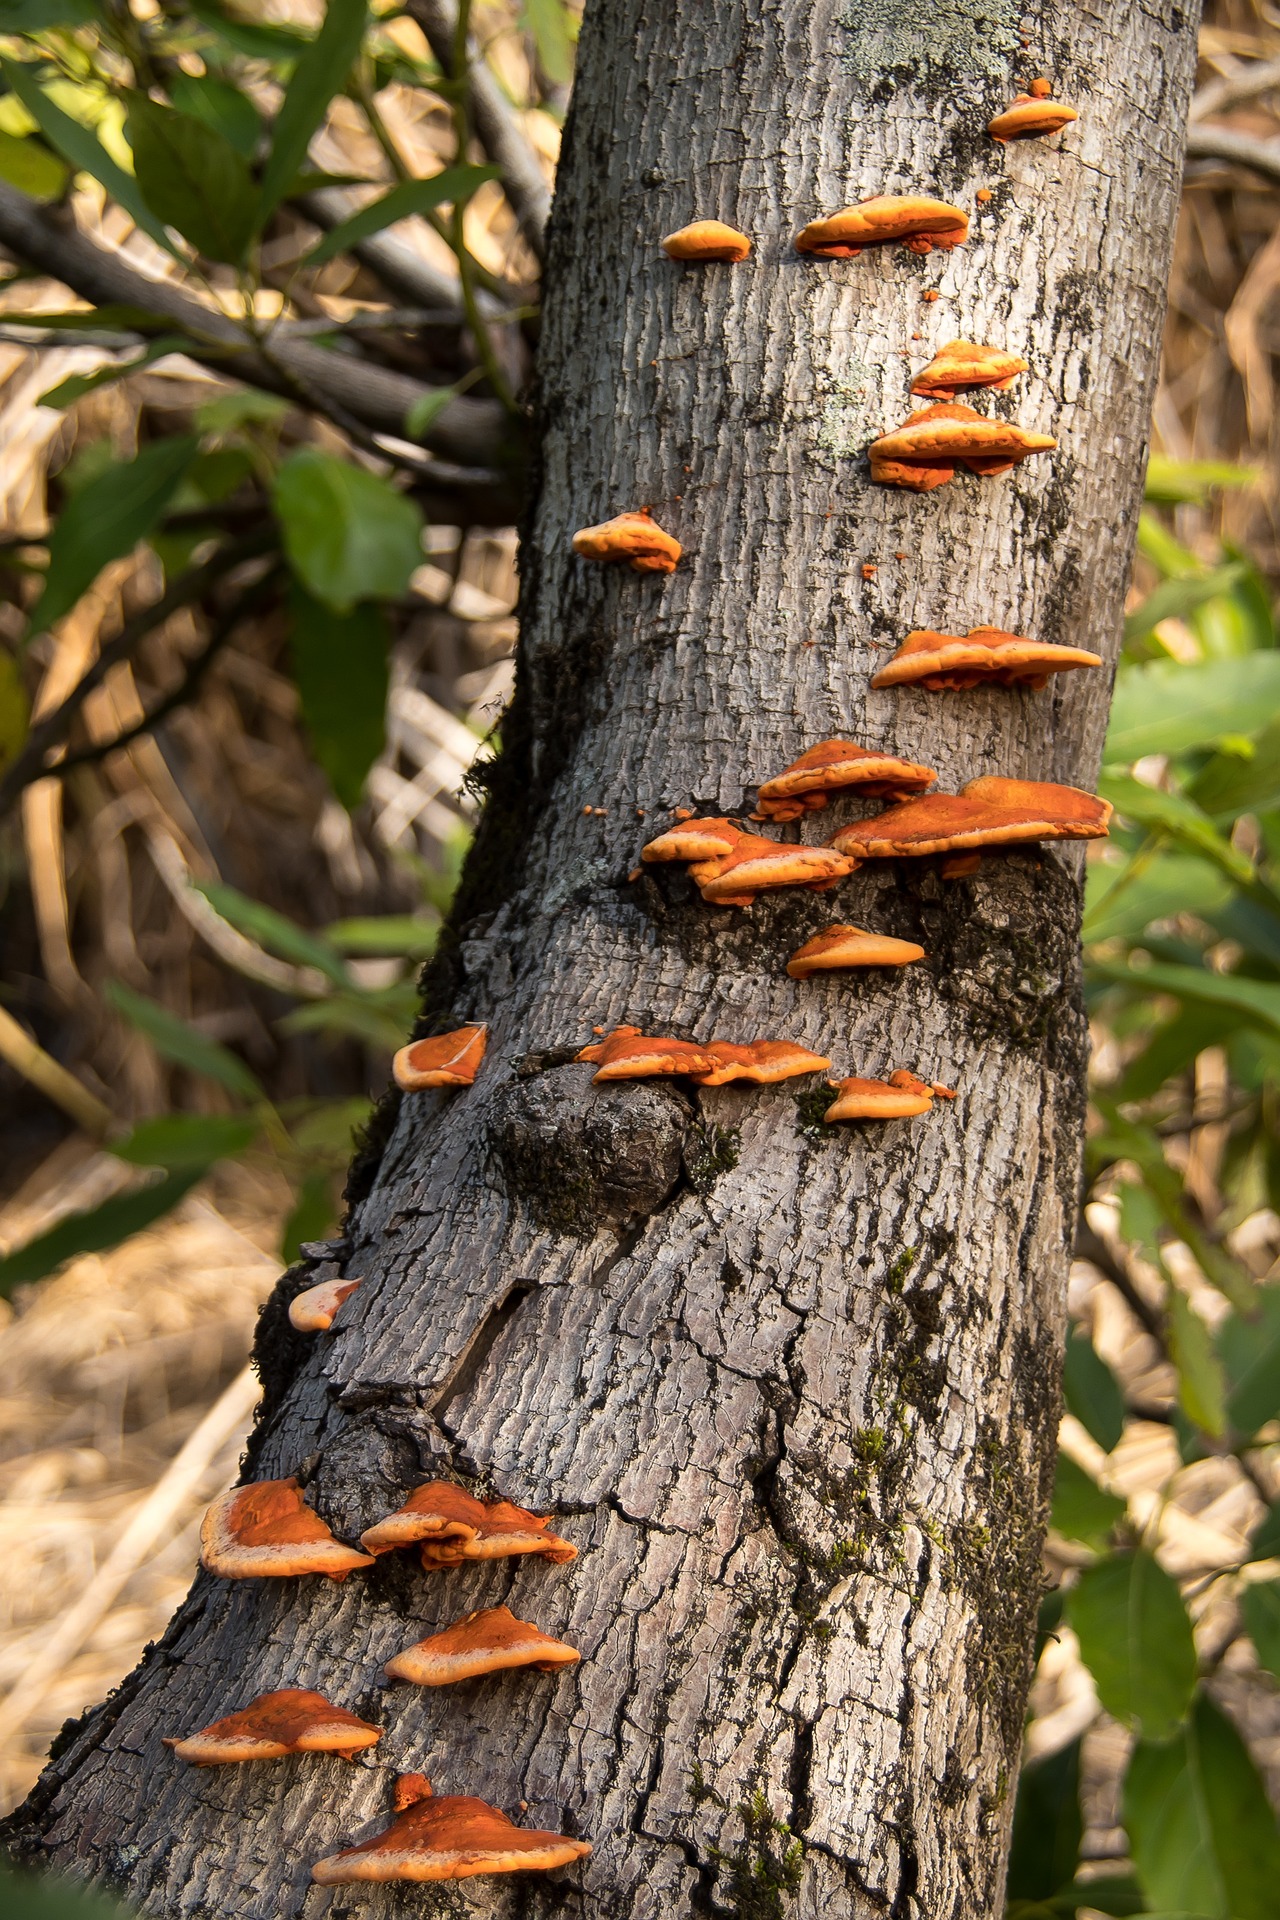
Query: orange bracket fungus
[451, 1526]
[897, 1098]
[990, 812]
[926, 449]
[757, 864]
[490, 1641]
[268, 1532]
[294, 1720]
[962, 365]
[955, 662]
[635, 538]
[837, 766]
[445, 1060]
[693, 840]
[628, 1054]
[763, 1062]
[1032, 115]
[447, 1838]
[313, 1310]
[842, 946]
[707, 240]
[917, 221]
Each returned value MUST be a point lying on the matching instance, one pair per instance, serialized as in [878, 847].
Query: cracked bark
[799, 1419]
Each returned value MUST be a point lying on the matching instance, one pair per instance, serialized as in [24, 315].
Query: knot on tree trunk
[581, 1157]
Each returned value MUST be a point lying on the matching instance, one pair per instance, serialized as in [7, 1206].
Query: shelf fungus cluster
[899, 1097]
[315, 1309]
[838, 767]
[955, 662]
[628, 1054]
[914, 220]
[924, 452]
[709, 240]
[449, 1837]
[445, 1060]
[730, 867]
[962, 366]
[991, 812]
[274, 1726]
[630, 539]
[1034, 115]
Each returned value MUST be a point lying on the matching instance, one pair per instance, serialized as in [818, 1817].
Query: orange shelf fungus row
[275, 1725]
[445, 1060]
[955, 662]
[489, 1641]
[314, 1309]
[729, 867]
[899, 1097]
[266, 1531]
[628, 1054]
[762, 1063]
[634, 539]
[837, 766]
[450, 1526]
[841, 947]
[961, 366]
[989, 812]
[915, 220]
[1033, 115]
[448, 1838]
[926, 449]
[707, 240]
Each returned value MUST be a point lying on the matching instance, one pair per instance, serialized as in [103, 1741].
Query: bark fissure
[792, 1389]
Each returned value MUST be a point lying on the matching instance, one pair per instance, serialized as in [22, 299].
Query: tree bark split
[792, 1391]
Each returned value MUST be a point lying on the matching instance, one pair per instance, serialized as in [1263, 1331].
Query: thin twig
[29, 1059]
[1237, 149]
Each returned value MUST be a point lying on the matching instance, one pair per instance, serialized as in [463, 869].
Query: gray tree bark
[792, 1393]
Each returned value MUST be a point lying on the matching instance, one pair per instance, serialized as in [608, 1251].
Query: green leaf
[105, 519]
[1174, 1048]
[259, 42]
[93, 1232]
[1112, 1893]
[1091, 1392]
[1201, 1831]
[426, 410]
[1242, 779]
[1264, 1544]
[82, 149]
[272, 931]
[194, 179]
[1249, 1348]
[349, 535]
[319, 74]
[244, 407]
[178, 1140]
[1122, 901]
[1163, 707]
[1172, 483]
[1175, 599]
[221, 106]
[76, 385]
[1141, 1218]
[1179, 817]
[1260, 1611]
[15, 709]
[364, 1016]
[1135, 1639]
[311, 1217]
[324, 1129]
[452, 186]
[29, 1896]
[183, 1044]
[1257, 1000]
[1082, 1510]
[388, 933]
[548, 22]
[1047, 1827]
[27, 164]
[1202, 1387]
[340, 667]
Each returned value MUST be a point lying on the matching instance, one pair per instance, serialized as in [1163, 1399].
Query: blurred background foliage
[257, 623]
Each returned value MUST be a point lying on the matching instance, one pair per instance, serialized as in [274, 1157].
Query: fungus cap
[693, 840]
[313, 1310]
[451, 1526]
[950, 661]
[919, 222]
[628, 1054]
[292, 1720]
[707, 240]
[635, 538]
[962, 365]
[989, 812]
[949, 436]
[879, 1100]
[763, 1062]
[267, 1531]
[449, 1838]
[444, 1060]
[490, 1641]
[756, 863]
[1032, 115]
[845, 946]
[834, 766]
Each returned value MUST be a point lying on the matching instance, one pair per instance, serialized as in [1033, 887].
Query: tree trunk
[792, 1390]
